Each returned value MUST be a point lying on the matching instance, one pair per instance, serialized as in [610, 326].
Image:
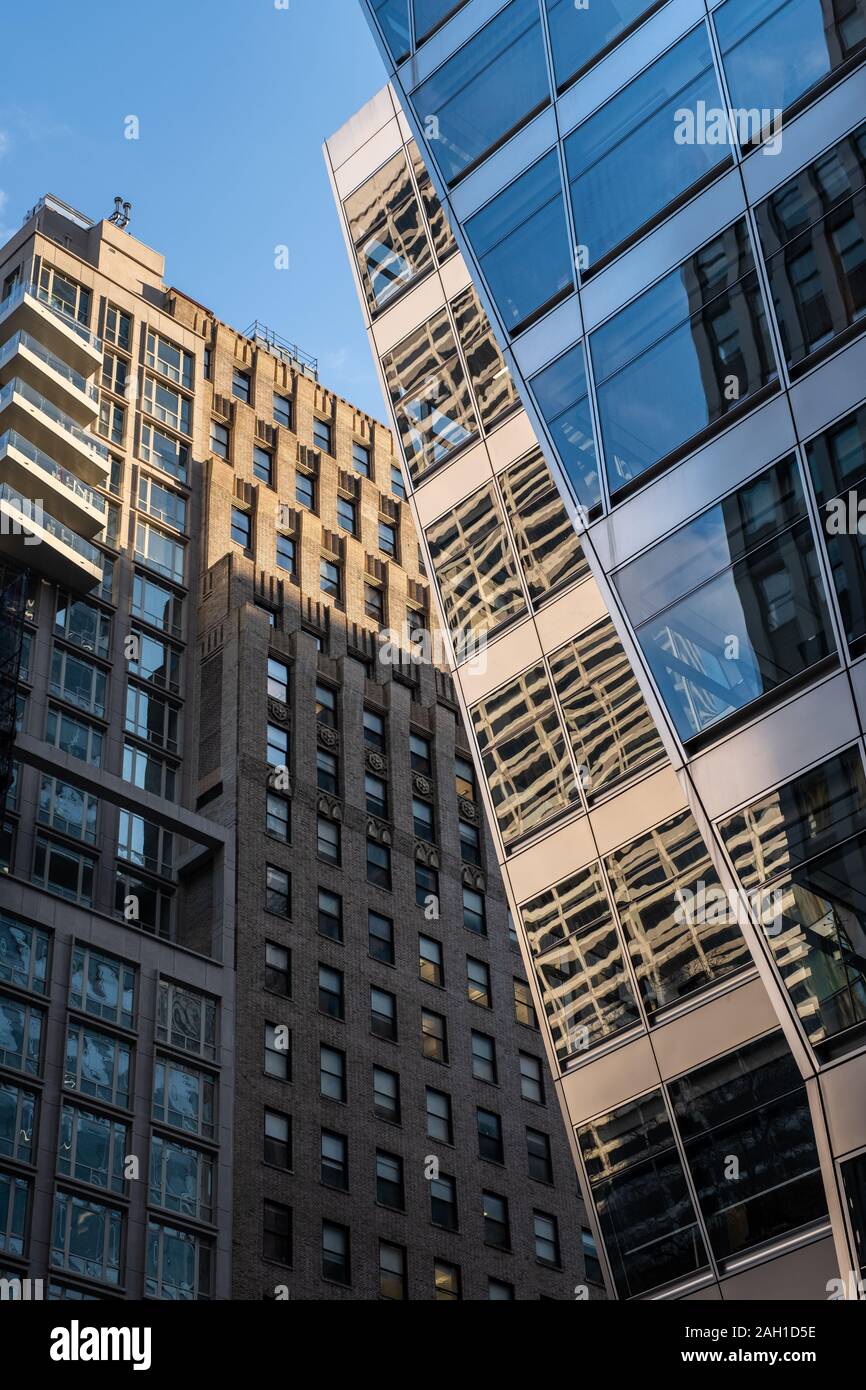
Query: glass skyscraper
[612, 258]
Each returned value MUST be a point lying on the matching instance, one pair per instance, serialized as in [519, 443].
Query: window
[388, 539]
[278, 969]
[326, 706]
[427, 890]
[347, 518]
[278, 1140]
[498, 1290]
[392, 1271]
[242, 385]
[490, 1144]
[335, 1253]
[277, 746]
[550, 551]
[149, 772]
[66, 296]
[765, 546]
[150, 905]
[386, 1095]
[374, 731]
[155, 661]
[430, 965]
[95, 1065]
[561, 395]
[160, 552]
[380, 937]
[495, 1221]
[398, 486]
[305, 490]
[474, 912]
[387, 233]
[422, 819]
[670, 1245]
[439, 1121]
[750, 1105]
[604, 23]
[20, 1036]
[478, 983]
[330, 921]
[157, 605]
[334, 1170]
[328, 840]
[219, 439]
[118, 328]
[591, 1262]
[278, 821]
[78, 681]
[430, 396]
[167, 405]
[378, 864]
[179, 1264]
[476, 569]
[492, 383]
[421, 754]
[331, 578]
[181, 1179]
[283, 411]
[376, 793]
[327, 771]
[361, 459]
[702, 324]
[470, 849]
[277, 1242]
[389, 1180]
[837, 463]
[538, 1153]
[446, 1282]
[286, 553]
[169, 361]
[332, 1073]
[279, 892]
[64, 871]
[186, 1019]
[83, 624]
[322, 435]
[524, 1008]
[112, 421]
[278, 1051]
[443, 1202]
[263, 465]
[484, 1058]
[546, 1231]
[434, 1036]
[487, 90]
[74, 736]
[331, 1000]
[86, 1238]
[242, 530]
[17, 1123]
[99, 984]
[374, 602]
[529, 772]
[383, 1014]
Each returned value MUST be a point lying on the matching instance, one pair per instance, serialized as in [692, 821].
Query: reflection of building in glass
[670, 735]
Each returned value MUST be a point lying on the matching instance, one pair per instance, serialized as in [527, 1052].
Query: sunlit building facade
[637, 486]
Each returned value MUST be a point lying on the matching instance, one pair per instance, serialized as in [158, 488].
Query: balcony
[34, 538]
[33, 416]
[23, 357]
[38, 477]
[28, 308]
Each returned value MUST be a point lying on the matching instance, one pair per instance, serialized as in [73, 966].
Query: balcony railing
[54, 306]
[41, 403]
[37, 516]
[14, 440]
[22, 339]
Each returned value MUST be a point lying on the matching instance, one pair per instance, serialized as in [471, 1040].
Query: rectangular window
[378, 864]
[326, 706]
[430, 396]
[78, 681]
[179, 1264]
[157, 605]
[328, 840]
[387, 233]
[219, 439]
[546, 1231]
[538, 1154]
[99, 985]
[476, 569]
[277, 746]
[169, 360]
[186, 1020]
[591, 1262]
[398, 486]
[181, 1179]
[20, 1036]
[474, 912]
[427, 889]
[478, 983]
[374, 731]
[386, 1095]
[332, 1073]
[440, 1125]
[331, 578]
[278, 969]
[376, 795]
[603, 24]
[17, 1124]
[334, 1164]
[420, 754]
[83, 624]
[277, 1233]
[112, 421]
[167, 405]
[389, 1180]
[380, 938]
[263, 465]
[434, 1036]
[487, 90]
[118, 328]
[430, 964]
[383, 1014]
[242, 384]
[524, 1009]
[162, 553]
[305, 490]
[335, 1253]
[422, 820]
[330, 918]
[327, 771]
[549, 549]
[388, 539]
[489, 1127]
[561, 395]
[331, 993]
[347, 517]
[86, 1238]
[278, 1052]
[443, 1202]
[495, 1221]
[374, 603]
[470, 846]
[162, 451]
[392, 1271]
[96, 1065]
[279, 892]
[322, 435]
[286, 554]
[241, 528]
[531, 1079]
[74, 736]
[67, 809]
[446, 1282]
[64, 872]
[361, 459]
[24, 955]
[484, 1058]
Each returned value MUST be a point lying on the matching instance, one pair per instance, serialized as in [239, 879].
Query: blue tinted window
[644, 148]
[773, 53]
[486, 90]
[521, 240]
[430, 14]
[393, 17]
[702, 327]
[561, 396]
[578, 35]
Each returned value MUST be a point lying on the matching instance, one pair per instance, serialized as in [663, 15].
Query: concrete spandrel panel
[650, 801]
[610, 1080]
[711, 1028]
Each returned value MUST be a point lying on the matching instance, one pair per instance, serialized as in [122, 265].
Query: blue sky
[233, 99]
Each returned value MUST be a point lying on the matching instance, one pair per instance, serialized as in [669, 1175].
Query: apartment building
[658, 210]
[255, 935]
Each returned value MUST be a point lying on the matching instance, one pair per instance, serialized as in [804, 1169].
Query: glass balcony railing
[44, 297]
[46, 407]
[50, 359]
[47, 465]
[37, 515]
